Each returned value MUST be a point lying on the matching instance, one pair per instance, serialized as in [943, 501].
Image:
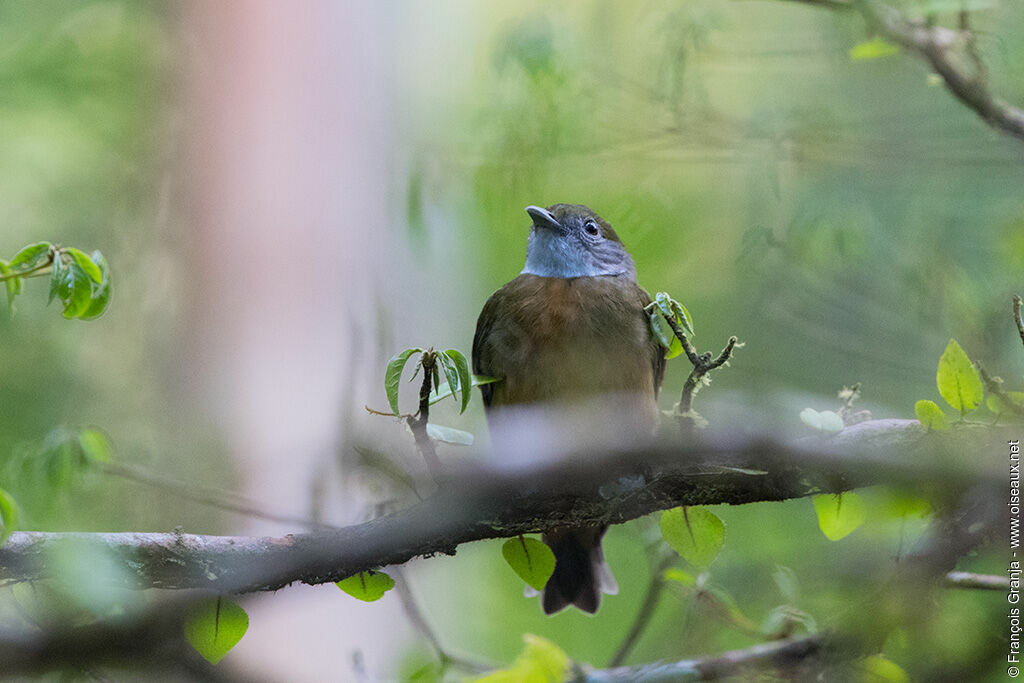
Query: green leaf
[465, 376]
[878, 669]
[29, 256]
[79, 292]
[456, 437]
[825, 421]
[367, 586]
[393, 376]
[785, 579]
[997, 406]
[57, 275]
[9, 514]
[958, 380]
[95, 445]
[873, 49]
[930, 415]
[696, 533]
[683, 316]
[839, 514]
[664, 334]
[86, 264]
[684, 579]
[214, 626]
[531, 559]
[451, 375]
[541, 662]
[445, 390]
[100, 292]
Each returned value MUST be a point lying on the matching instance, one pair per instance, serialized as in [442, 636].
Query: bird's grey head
[570, 240]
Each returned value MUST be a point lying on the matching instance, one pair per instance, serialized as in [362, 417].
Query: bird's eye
[591, 228]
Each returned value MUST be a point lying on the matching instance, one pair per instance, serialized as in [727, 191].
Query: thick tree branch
[485, 502]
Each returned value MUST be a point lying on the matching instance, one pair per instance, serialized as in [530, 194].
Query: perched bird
[570, 328]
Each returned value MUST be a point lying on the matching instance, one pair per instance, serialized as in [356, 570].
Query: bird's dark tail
[581, 574]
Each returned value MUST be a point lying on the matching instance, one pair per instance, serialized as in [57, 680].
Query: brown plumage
[565, 339]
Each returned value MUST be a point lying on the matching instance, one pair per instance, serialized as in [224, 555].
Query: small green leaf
[95, 445]
[531, 559]
[958, 380]
[456, 437]
[100, 292]
[57, 275]
[86, 264]
[367, 586]
[696, 533]
[451, 375]
[79, 292]
[9, 514]
[839, 514]
[541, 662]
[825, 421]
[214, 626]
[664, 334]
[873, 49]
[930, 415]
[393, 376]
[683, 316]
[445, 390]
[997, 406]
[785, 579]
[13, 285]
[29, 256]
[879, 669]
[679, 576]
[465, 376]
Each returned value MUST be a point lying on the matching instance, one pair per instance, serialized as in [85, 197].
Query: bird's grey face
[570, 240]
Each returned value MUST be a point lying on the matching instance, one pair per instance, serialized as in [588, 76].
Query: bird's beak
[542, 218]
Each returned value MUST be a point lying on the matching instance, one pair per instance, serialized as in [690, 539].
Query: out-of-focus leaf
[12, 285]
[465, 376]
[696, 533]
[879, 669]
[997, 406]
[456, 437]
[873, 49]
[30, 256]
[531, 559]
[839, 514]
[393, 376]
[785, 579]
[541, 662]
[958, 380]
[9, 515]
[826, 420]
[684, 579]
[214, 626]
[95, 445]
[930, 415]
[367, 586]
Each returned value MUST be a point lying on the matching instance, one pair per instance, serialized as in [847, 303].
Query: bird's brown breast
[558, 339]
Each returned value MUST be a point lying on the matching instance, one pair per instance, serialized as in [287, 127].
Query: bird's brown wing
[657, 351]
[484, 362]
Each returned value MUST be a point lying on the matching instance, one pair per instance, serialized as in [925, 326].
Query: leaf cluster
[81, 281]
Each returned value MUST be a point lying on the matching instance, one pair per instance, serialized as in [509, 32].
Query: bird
[571, 327]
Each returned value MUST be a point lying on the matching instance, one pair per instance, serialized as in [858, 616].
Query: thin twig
[995, 387]
[702, 365]
[418, 423]
[1017, 317]
[646, 611]
[30, 271]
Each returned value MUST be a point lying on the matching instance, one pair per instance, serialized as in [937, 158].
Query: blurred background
[290, 194]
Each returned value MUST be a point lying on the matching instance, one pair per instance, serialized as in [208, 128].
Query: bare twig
[418, 423]
[1017, 317]
[644, 614]
[702, 364]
